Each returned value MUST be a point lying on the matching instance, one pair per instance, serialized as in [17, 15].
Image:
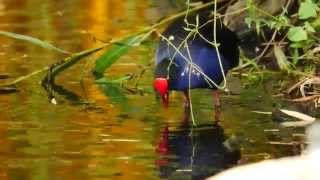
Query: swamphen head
[186, 57]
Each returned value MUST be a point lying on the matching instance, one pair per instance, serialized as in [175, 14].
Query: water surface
[116, 134]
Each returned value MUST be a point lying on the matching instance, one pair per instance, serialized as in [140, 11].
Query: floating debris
[120, 140]
[285, 116]
[8, 90]
[184, 170]
[271, 130]
[262, 112]
[4, 76]
[54, 101]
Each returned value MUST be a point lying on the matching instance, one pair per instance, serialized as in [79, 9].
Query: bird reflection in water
[195, 152]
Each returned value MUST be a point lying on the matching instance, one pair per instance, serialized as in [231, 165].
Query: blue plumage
[203, 54]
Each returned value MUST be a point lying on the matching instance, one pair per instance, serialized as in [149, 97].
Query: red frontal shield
[161, 85]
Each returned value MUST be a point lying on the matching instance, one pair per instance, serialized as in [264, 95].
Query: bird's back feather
[180, 47]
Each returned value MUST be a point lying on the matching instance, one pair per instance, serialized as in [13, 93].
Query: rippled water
[119, 134]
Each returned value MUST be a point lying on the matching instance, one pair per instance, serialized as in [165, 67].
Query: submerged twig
[4, 76]
[306, 90]
[8, 90]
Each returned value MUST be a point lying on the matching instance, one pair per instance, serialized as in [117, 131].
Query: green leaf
[115, 52]
[308, 27]
[307, 10]
[33, 40]
[248, 21]
[297, 45]
[297, 34]
[295, 56]
[282, 60]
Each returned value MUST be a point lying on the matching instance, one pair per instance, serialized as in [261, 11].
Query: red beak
[165, 100]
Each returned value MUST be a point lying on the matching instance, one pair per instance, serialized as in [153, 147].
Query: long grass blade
[66, 63]
[282, 60]
[34, 41]
[70, 61]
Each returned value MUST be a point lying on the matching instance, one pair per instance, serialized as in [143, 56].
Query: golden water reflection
[40, 141]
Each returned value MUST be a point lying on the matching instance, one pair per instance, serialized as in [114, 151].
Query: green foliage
[299, 33]
[116, 94]
[309, 28]
[116, 51]
[308, 9]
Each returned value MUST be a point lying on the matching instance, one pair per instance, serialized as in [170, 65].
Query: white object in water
[303, 167]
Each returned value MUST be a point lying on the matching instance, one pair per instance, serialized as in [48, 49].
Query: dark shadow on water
[194, 153]
[113, 92]
[53, 89]
[116, 95]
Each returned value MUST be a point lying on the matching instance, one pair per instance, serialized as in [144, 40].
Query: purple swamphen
[186, 57]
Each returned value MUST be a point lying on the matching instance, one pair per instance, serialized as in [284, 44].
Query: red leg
[217, 105]
[186, 115]
[186, 105]
[186, 100]
[216, 99]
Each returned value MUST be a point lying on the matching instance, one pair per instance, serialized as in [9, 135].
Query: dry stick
[216, 46]
[217, 51]
[270, 42]
[181, 14]
[189, 91]
[295, 86]
[234, 12]
[268, 45]
[306, 98]
[192, 31]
